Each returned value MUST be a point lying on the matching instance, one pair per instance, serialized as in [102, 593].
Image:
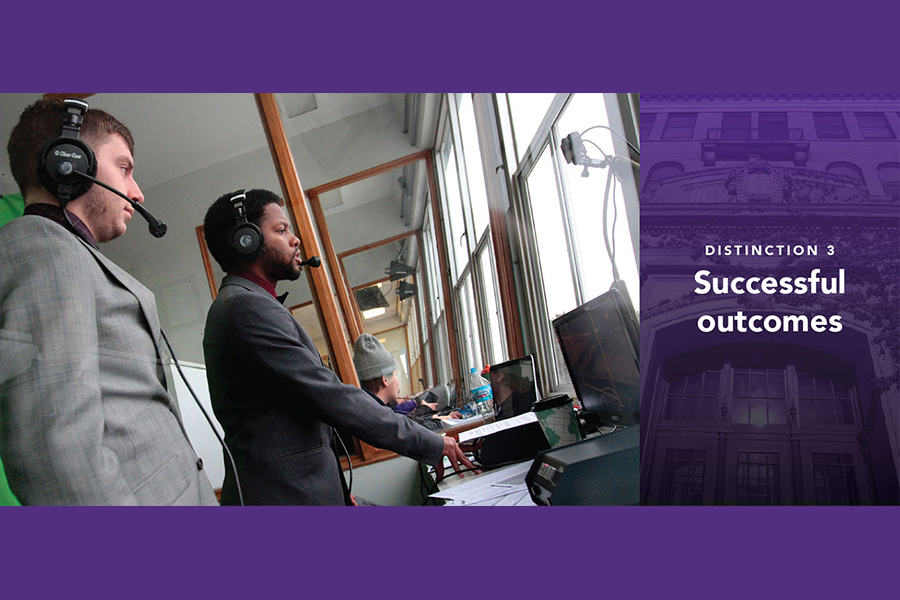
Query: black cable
[423, 487]
[630, 145]
[237, 481]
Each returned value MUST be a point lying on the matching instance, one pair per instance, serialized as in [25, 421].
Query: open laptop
[514, 386]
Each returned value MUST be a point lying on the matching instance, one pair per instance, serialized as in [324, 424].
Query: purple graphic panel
[769, 299]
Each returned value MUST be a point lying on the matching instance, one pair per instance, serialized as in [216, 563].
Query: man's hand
[456, 456]
[452, 415]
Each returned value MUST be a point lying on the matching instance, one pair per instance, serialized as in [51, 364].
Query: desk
[501, 487]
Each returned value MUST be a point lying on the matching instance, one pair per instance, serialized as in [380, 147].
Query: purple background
[640, 551]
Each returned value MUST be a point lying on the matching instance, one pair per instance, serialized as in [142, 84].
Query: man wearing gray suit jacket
[273, 396]
[85, 417]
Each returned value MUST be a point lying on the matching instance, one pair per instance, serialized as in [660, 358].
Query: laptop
[514, 386]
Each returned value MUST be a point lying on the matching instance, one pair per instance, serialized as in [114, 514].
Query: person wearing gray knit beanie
[377, 371]
[371, 358]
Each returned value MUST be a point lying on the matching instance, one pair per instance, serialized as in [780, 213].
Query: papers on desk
[505, 487]
[450, 423]
[496, 426]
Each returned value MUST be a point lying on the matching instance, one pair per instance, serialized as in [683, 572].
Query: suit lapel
[148, 307]
[255, 288]
[144, 296]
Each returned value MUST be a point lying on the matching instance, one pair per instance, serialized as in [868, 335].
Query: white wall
[199, 432]
[172, 266]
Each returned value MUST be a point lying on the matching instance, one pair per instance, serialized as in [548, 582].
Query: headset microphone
[68, 166]
[314, 262]
[157, 227]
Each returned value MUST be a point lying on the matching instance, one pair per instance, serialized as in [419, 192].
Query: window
[773, 126]
[698, 387]
[496, 335]
[682, 479]
[846, 169]
[834, 478]
[561, 212]
[736, 126]
[431, 260]
[474, 168]
[458, 248]
[758, 397]
[549, 230]
[434, 333]
[757, 479]
[528, 111]
[679, 126]
[468, 321]
[875, 126]
[831, 126]
[694, 398]
[889, 173]
[584, 202]
[824, 403]
[647, 121]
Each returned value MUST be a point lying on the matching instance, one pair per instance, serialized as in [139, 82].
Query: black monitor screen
[514, 387]
[599, 341]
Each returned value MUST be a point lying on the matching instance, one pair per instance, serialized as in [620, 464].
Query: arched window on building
[847, 170]
[721, 432]
[661, 171]
[889, 173]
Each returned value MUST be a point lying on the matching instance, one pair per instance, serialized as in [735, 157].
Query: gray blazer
[277, 403]
[85, 417]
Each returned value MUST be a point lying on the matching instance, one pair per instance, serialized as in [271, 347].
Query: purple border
[650, 46]
[563, 552]
[539, 553]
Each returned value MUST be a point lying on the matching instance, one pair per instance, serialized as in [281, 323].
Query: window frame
[822, 128]
[671, 132]
[884, 126]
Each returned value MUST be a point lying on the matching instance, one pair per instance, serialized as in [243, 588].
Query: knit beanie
[371, 358]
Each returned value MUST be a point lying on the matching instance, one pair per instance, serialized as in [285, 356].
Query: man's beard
[281, 270]
[96, 205]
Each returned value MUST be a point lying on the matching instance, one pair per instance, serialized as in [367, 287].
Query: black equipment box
[599, 471]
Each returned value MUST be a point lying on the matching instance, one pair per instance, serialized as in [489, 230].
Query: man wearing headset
[270, 391]
[85, 417]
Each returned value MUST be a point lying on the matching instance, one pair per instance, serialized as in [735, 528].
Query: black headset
[246, 238]
[66, 156]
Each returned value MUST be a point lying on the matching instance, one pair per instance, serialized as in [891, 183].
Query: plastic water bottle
[482, 396]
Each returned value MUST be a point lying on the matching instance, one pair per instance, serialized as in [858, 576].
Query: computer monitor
[600, 344]
[514, 387]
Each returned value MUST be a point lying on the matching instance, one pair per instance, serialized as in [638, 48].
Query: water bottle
[481, 393]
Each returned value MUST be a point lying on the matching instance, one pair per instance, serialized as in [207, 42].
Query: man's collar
[264, 284]
[267, 286]
[56, 214]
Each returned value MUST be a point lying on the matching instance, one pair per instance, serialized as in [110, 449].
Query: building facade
[747, 186]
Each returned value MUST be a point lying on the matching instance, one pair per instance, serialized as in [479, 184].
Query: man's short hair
[220, 221]
[40, 124]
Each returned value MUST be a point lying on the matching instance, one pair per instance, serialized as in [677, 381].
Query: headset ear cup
[60, 159]
[246, 239]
